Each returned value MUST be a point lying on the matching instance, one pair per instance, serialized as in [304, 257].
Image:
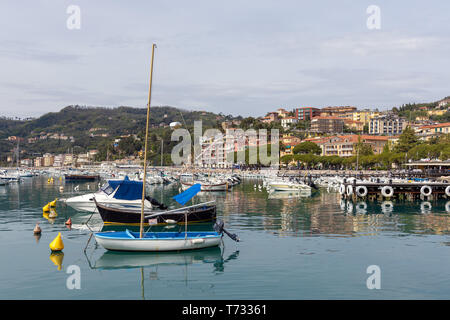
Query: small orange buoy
[37, 229]
[69, 222]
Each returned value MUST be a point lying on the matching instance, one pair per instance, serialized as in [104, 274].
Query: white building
[288, 121]
[387, 125]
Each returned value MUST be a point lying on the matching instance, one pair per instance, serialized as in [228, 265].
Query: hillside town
[336, 130]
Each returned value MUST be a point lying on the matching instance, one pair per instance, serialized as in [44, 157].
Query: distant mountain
[93, 127]
[76, 120]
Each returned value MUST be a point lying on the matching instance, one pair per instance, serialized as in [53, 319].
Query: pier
[411, 190]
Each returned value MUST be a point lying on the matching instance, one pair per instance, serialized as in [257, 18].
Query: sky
[236, 57]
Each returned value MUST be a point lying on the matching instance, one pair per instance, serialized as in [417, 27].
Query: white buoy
[77, 188]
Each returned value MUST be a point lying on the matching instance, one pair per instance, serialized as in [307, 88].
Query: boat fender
[387, 191]
[349, 190]
[361, 191]
[197, 241]
[342, 189]
[447, 191]
[426, 190]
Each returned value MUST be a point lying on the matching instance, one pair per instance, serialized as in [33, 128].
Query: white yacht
[115, 192]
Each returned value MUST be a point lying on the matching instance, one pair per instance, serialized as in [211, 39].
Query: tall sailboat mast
[141, 228]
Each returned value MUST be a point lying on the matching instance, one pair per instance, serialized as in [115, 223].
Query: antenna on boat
[141, 228]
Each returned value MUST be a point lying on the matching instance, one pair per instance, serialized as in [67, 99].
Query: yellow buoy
[57, 259]
[46, 208]
[53, 203]
[57, 243]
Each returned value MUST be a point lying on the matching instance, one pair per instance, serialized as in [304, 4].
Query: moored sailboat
[160, 241]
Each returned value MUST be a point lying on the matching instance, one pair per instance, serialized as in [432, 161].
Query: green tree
[307, 147]
[407, 140]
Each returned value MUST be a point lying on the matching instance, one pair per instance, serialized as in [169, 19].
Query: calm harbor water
[292, 248]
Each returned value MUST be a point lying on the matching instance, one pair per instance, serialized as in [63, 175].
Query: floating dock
[412, 190]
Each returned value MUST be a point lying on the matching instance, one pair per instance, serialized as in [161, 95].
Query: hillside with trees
[84, 128]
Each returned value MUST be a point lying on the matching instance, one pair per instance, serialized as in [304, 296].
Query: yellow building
[289, 142]
[364, 116]
[436, 112]
[48, 160]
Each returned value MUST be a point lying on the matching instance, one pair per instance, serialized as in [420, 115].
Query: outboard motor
[219, 228]
[312, 185]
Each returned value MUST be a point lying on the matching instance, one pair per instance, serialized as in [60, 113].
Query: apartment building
[354, 125]
[306, 113]
[432, 131]
[365, 115]
[48, 160]
[327, 125]
[387, 125]
[213, 152]
[345, 112]
[39, 162]
[346, 145]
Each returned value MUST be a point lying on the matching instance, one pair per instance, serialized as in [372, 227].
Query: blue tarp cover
[187, 195]
[127, 189]
[115, 183]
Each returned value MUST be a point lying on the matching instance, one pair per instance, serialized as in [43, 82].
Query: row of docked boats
[208, 183]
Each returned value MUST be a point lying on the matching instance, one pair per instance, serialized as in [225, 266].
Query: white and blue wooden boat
[157, 241]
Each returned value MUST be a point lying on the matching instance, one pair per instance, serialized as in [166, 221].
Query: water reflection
[327, 214]
[57, 258]
[425, 207]
[243, 208]
[288, 194]
[387, 207]
[129, 260]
